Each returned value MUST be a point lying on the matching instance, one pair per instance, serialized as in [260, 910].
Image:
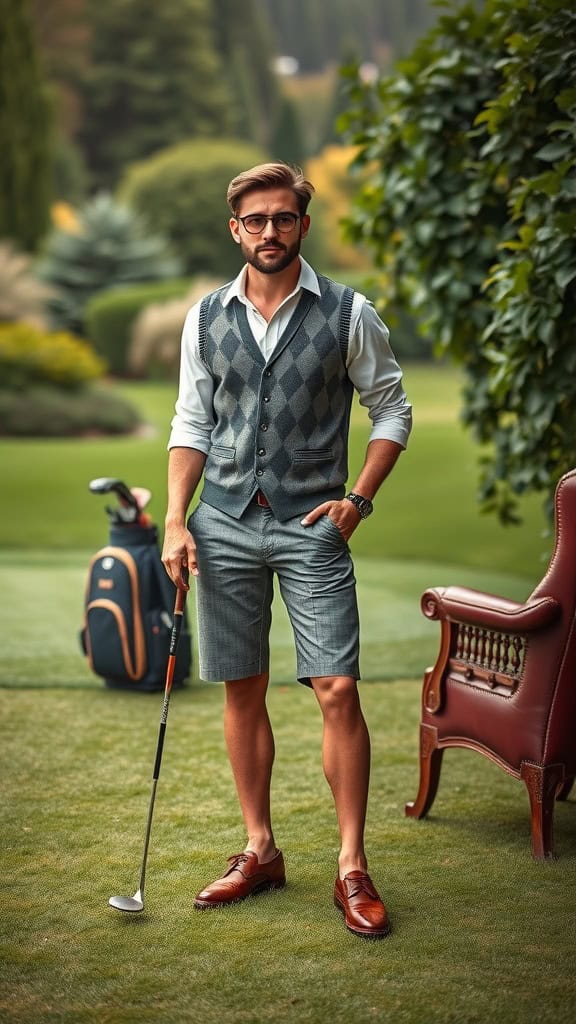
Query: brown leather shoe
[245, 877]
[364, 912]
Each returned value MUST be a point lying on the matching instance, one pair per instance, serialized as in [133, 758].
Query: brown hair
[272, 175]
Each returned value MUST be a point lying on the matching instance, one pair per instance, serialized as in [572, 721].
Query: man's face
[271, 250]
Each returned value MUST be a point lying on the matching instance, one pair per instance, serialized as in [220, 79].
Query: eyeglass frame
[282, 213]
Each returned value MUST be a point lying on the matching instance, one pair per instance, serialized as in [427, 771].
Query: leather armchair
[504, 682]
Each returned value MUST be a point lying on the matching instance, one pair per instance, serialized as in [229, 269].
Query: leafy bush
[110, 247]
[156, 333]
[54, 412]
[22, 296]
[335, 183]
[29, 356]
[109, 317]
[471, 217]
[182, 192]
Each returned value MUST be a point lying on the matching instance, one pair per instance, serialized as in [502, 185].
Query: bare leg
[346, 762]
[250, 744]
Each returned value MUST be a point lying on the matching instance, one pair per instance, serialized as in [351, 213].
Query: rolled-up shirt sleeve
[376, 375]
[193, 421]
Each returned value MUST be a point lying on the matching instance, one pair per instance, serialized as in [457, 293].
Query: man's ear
[234, 229]
[305, 225]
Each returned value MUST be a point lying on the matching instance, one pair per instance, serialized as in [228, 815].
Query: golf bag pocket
[114, 632]
[128, 616]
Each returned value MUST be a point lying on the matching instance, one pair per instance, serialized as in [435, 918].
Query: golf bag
[128, 611]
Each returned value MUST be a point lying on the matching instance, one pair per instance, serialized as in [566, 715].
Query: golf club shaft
[179, 606]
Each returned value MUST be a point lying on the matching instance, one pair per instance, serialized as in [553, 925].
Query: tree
[110, 246]
[471, 218]
[24, 131]
[154, 78]
[181, 193]
[314, 31]
[243, 41]
[286, 142]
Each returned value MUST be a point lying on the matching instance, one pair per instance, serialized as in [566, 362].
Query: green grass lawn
[481, 931]
[425, 511]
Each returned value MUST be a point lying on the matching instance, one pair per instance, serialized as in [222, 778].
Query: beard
[269, 262]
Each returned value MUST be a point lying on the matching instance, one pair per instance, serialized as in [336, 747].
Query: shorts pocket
[331, 531]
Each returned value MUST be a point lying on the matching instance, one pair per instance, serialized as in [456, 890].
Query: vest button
[267, 373]
[259, 472]
[261, 451]
[263, 426]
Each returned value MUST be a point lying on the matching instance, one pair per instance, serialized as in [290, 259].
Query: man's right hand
[179, 553]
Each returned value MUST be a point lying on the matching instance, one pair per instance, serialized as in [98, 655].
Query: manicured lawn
[425, 512]
[481, 932]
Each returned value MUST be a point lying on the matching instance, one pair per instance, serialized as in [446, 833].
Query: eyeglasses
[255, 223]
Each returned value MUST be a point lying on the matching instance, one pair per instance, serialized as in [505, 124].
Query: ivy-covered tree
[471, 217]
[24, 131]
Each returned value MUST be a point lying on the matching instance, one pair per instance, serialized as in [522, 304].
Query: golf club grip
[159, 748]
[179, 606]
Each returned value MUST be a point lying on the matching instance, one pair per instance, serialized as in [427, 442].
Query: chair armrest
[460, 604]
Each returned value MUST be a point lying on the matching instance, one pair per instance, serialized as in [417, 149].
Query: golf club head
[107, 484]
[122, 516]
[130, 904]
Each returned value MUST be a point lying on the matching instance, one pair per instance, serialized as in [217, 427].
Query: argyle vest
[281, 426]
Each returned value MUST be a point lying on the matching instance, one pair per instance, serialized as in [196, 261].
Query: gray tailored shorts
[237, 562]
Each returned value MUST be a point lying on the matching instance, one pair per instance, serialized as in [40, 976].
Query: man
[269, 365]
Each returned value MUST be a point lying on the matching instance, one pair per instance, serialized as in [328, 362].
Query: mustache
[272, 245]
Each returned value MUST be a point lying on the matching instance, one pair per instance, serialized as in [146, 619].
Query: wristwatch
[364, 505]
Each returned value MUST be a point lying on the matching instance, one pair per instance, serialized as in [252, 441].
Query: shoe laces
[237, 859]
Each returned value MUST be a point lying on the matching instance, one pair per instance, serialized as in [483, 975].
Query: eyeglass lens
[256, 222]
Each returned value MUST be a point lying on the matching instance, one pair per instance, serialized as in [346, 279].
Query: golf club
[135, 903]
[129, 508]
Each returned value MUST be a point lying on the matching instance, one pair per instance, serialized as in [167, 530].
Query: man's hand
[342, 513]
[179, 553]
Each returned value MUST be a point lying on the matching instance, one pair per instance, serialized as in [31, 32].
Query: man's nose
[270, 231]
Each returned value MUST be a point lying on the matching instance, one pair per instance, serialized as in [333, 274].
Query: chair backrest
[554, 654]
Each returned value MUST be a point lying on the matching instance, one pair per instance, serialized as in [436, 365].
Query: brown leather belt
[261, 500]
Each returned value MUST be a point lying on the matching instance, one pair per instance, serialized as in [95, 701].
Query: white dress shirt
[371, 366]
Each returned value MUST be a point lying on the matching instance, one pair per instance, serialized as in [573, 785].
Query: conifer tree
[24, 131]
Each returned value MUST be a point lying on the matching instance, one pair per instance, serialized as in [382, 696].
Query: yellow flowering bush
[32, 356]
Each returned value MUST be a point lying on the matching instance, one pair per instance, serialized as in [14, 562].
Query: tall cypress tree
[24, 131]
[154, 78]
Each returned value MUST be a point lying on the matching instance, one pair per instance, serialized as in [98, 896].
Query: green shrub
[29, 355]
[22, 296]
[182, 192]
[44, 411]
[155, 336]
[109, 317]
[111, 247]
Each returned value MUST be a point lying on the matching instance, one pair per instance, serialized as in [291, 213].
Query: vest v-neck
[299, 314]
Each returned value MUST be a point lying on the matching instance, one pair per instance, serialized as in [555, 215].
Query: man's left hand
[343, 514]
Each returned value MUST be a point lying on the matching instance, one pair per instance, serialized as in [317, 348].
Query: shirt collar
[307, 280]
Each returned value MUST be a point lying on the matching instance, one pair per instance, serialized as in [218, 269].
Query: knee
[337, 695]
